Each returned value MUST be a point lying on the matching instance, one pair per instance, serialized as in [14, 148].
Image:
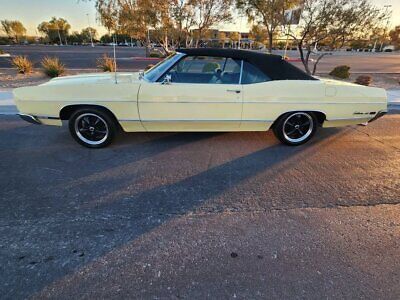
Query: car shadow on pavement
[68, 228]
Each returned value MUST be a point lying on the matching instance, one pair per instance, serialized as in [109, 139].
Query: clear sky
[33, 12]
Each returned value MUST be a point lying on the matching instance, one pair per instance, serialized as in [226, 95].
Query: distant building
[225, 39]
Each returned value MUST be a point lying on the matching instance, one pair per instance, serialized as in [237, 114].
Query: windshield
[155, 72]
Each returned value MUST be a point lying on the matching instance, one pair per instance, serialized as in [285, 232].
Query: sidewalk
[7, 106]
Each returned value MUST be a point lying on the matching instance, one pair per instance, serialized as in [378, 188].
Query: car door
[259, 109]
[202, 94]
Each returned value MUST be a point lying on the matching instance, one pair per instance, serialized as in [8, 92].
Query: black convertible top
[274, 66]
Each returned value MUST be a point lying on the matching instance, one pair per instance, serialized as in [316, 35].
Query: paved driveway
[228, 215]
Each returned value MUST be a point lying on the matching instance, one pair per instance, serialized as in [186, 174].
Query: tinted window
[206, 69]
[252, 74]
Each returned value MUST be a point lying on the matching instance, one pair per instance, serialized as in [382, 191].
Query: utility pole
[59, 35]
[148, 43]
[90, 30]
[387, 7]
[240, 31]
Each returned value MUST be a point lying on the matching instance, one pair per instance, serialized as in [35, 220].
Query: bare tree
[183, 14]
[333, 23]
[55, 29]
[209, 13]
[395, 37]
[268, 13]
[146, 20]
[13, 29]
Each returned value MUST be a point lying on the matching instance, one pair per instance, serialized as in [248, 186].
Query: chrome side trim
[193, 121]
[48, 117]
[94, 102]
[316, 103]
[128, 120]
[81, 102]
[349, 119]
[258, 102]
[193, 102]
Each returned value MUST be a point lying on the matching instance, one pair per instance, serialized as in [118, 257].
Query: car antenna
[115, 57]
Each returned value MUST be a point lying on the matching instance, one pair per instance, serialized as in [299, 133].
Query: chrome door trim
[193, 102]
[170, 121]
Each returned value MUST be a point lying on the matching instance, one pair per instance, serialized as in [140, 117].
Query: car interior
[217, 70]
[201, 69]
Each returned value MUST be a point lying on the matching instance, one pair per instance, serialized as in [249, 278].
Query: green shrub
[155, 54]
[52, 67]
[23, 64]
[341, 72]
[106, 64]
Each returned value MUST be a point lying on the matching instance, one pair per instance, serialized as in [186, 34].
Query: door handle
[233, 91]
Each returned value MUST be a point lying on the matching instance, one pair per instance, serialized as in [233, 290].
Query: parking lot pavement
[205, 215]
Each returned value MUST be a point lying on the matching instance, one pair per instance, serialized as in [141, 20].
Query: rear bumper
[380, 114]
[30, 119]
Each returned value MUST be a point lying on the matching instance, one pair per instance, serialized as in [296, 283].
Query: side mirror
[167, 79]
[141, 75]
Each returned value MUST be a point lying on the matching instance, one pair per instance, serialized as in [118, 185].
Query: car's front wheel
[92, 128]
[295, 128]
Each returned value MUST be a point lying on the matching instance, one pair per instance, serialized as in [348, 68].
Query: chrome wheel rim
[91, 129]
[298, 127]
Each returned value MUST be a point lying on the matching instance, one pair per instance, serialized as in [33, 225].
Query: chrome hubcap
[298, 127]
[91, 129]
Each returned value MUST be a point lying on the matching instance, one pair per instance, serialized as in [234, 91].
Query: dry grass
[23, 64]
[52, 67]
[106, 64]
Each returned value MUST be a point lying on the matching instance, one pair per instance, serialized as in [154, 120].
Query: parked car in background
[389, 48]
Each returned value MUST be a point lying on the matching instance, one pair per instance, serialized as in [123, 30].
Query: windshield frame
[163, 66]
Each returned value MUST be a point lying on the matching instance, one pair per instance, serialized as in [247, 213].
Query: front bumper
[30, 119]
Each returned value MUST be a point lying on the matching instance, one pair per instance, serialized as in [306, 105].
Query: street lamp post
[90, 31]
[387, 7]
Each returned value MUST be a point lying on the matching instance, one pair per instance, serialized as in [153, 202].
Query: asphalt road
[84, 57]
[182, 215]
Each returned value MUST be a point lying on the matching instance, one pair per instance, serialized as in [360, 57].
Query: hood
[94, 78]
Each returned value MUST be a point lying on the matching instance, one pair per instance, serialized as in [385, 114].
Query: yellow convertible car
[201, 90]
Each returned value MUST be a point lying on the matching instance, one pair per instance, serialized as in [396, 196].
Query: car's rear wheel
[92, 128]
[295, 128]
